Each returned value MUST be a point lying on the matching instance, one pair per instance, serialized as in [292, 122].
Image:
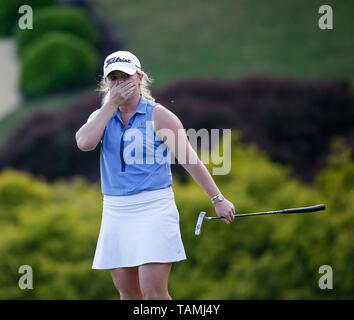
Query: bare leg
[126, 280]
[153, 279]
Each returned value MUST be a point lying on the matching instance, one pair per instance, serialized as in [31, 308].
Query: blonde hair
[144, 87]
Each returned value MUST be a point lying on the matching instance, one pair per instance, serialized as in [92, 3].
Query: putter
[202, 214]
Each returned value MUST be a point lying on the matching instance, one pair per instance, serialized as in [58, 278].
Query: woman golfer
[140, 235]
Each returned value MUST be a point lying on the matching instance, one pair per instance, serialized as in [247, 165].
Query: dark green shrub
[264, 121]
[62, 19]
[45, 143]
[9, 12]
[292, 119]
[55, 62]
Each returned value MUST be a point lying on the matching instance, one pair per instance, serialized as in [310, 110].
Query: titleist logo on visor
[117, 59]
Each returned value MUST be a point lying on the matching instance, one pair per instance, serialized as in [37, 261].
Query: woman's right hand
[119, 93]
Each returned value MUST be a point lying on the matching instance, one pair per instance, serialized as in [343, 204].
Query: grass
[228, 38]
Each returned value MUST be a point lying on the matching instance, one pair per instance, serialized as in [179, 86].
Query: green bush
[55, 62]
[270, 257]
[9, 15]
[54, 229]
[62, 19]
[46, 220]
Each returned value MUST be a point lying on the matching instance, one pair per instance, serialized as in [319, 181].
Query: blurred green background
[229, 38]
[51, 221]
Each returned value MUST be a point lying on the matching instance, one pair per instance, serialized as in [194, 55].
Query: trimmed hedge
[9, 15]
[55, 62]
[293, 121]
[45, 143]
[61, 19]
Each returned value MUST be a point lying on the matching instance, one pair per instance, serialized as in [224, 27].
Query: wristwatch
[217, 198]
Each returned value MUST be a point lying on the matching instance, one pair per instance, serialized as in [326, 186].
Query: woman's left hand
[225, 209]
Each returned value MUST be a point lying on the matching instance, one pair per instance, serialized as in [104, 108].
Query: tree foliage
[9, 14]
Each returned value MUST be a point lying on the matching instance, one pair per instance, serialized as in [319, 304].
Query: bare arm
[90, 134]
[178, 143]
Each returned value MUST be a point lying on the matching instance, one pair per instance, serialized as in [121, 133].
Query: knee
[155, 293]
[130, 296]
[129, 293]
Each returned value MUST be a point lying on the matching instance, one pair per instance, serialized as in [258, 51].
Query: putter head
[198, 227]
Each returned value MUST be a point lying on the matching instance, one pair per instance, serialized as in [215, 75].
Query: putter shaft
[202, 215]
[292, 210]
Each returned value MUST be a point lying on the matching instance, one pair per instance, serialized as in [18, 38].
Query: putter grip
[305, 209]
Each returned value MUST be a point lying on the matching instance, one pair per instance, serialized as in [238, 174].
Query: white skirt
[138, 229]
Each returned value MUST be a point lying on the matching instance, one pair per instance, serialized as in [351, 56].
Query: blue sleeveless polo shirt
[134, 159]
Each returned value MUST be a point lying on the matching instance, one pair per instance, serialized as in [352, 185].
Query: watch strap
[216, 198]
